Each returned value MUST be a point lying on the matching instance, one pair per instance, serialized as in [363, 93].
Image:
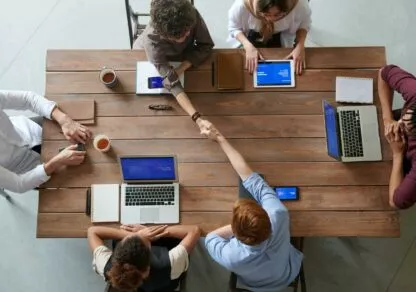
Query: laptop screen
[274, 73]
[148, 168]
[332, 142]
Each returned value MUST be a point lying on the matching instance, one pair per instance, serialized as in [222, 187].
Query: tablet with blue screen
[274, 73]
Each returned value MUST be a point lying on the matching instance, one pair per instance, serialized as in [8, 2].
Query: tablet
[274, 73]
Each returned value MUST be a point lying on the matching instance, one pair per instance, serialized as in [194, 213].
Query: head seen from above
[130, 263]
[272, 10]
[250, 223]
[172, 19]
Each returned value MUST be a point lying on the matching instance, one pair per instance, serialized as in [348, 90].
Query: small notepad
[105, 203]
[354, 90]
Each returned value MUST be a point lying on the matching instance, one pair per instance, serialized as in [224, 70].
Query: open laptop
[150, 189]
[352, 133]
[274, 73]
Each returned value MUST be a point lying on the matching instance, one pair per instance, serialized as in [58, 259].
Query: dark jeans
[255, 38]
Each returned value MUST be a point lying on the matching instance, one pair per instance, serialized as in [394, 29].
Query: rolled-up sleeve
[179, 261]
[101, 256]
[263, 193]
[401, 81]
[21, 183]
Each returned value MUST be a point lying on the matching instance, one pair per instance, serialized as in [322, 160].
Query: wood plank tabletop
[279, 131]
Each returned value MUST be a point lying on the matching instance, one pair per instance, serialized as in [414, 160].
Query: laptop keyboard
[351, 133]
[150, 195]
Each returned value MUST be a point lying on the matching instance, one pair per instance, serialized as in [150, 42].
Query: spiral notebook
[354, 90]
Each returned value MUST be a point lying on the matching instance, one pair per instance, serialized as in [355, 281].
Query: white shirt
[178, 256]
[20, 167]
[241, 20]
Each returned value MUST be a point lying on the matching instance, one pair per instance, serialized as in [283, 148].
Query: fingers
[71, 147]
[255, 61]
[127, 227]
[289, 56]
[261, 57]
[300, 65]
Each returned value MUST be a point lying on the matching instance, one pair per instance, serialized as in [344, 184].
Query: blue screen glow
[269, 73]
[155, 82]
[331, 130]
[286, 193]
[148, 168]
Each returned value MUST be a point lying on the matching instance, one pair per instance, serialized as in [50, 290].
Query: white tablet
[274, 73]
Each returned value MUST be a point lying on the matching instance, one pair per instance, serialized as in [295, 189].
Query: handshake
[209, 131]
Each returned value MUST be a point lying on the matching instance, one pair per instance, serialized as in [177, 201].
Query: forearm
[59, 116]
[241, 37]
[225, 232]
[385, 94]
[189, 234]
[237, 160]
[301, 37]
[396, 176]
[185, 103]
[185, 65]
[97, 235]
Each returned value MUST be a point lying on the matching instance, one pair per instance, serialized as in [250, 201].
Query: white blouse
[241, 20]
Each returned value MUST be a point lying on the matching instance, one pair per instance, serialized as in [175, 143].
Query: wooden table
[279, 131]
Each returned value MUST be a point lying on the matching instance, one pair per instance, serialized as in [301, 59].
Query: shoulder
[302, 8]
[101, 256]
[238, 8]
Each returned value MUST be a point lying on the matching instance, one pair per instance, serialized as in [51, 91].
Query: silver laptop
[352, 132]
[150, 189]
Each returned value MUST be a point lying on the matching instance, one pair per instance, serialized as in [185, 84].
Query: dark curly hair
[131, 257]
[264, 5]
[172, 18]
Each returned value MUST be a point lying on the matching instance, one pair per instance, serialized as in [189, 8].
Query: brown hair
[130, 259]
[250, 224]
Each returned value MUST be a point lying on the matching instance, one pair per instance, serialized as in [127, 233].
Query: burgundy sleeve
[405, 194]
[401, 81]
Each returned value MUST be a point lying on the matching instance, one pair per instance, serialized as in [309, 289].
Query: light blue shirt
[269, 266]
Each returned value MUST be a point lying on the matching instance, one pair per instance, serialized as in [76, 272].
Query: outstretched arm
[97, 235]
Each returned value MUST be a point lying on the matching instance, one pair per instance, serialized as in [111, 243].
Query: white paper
[354, 90]
[105, 203]
[144, 70]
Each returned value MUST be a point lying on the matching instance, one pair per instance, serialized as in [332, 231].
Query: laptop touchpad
[149, 215]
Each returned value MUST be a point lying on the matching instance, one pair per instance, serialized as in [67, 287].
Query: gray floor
[29, 28]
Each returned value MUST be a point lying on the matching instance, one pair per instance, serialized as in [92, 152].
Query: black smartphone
[80, 147]
[287, 193]
[155, 82]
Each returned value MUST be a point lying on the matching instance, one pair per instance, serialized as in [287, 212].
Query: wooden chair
[137, 22]
[297, 242]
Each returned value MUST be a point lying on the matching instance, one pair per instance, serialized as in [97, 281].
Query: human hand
[252, 57]
[212, 133]
[75, 132]
[153, 233]
[298, 56]
[70, 156]
[203, 124]
[171, 79]
[396, 138]
[132, 227]
[389, 129]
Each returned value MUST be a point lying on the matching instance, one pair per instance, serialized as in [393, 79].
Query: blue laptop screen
[332, 141]
[274, 73]
[148, 168]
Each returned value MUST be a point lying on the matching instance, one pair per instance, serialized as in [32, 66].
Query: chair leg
[302, 280]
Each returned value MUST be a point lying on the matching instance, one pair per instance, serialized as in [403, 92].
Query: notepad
[354, 90]
[146, 70]
[105, 203]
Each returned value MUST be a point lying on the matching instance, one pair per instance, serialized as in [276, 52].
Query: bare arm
[97, 235]
[188, 233]
[185, 65]
[237, 161]
[385, 94]
[396, 176]
[252, 54]
[301, 36]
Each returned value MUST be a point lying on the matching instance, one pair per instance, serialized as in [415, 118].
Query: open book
[354, 90]
[148, 78]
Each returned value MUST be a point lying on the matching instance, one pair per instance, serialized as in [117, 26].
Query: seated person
[143, 260]
[20, 138]
[176, 32]
[256, 246]
[400, 132]
[269, 24]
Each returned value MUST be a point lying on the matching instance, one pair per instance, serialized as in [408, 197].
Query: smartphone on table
[155, 82]
[287, 193]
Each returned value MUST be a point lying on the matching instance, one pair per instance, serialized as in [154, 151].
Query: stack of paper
[354, 90]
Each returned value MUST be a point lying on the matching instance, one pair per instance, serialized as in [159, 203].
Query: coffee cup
[102, 143]
[108, 77]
